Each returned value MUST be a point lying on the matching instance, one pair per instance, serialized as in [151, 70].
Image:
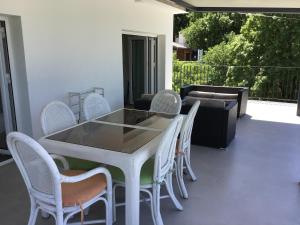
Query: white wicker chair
[56, 116]
[47, 187]
[94, 105]
[166, 101]
[183, 156]
[160, 173]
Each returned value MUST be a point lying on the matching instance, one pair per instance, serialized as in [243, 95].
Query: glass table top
[139, 118]
[106, 136]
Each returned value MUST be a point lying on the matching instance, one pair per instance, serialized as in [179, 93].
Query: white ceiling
[245, 3]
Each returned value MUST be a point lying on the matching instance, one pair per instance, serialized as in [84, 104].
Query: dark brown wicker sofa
[215, 121]
[239, 94]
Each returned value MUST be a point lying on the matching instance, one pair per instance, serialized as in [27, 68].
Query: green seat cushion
[79, 164]
[146, 173]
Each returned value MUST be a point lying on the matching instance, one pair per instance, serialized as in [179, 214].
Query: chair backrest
[56, 116]
[94, 105]
[37, 168]
[164, 158]
[187, 127]
[166, 101]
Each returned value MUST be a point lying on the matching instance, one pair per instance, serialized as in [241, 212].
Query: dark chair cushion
[201, 94]
[225, 96]
[205, 102]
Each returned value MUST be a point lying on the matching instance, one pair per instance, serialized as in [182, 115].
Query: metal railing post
[298, 105]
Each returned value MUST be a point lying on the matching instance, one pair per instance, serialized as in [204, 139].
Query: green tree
[256, 56]
[276, 39]
[208, 29]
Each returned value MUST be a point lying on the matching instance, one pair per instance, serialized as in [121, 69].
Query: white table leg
[132, 195]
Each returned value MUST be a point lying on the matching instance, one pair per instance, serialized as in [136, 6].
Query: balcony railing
[266, 83]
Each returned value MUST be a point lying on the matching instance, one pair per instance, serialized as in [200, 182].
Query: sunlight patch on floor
[273, 111]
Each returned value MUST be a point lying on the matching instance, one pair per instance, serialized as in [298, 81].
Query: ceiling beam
[246, 9]
[184, 4]
[193, 8]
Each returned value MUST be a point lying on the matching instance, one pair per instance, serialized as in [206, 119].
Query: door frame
[152, 64]
[4, 82]
[136, 35]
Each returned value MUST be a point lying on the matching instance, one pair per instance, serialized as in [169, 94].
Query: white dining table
[125, 138]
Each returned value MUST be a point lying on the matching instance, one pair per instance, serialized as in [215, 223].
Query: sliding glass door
[138, 78]
[139, 67]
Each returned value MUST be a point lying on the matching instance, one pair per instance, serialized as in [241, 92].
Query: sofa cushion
[205, 102]
[222, 96]
[201, 94]
[225, 96]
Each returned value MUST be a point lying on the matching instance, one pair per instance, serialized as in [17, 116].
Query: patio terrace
[254, 182]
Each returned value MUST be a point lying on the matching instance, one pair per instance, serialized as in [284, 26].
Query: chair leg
[179, 177]
[156, 204]
[60, 219]
[33, 213]
[169, 185]
[33, 216]
[114, 208]
[149, 193]
[109, 210]
[177, 174]
[152, 210]
[189, 167]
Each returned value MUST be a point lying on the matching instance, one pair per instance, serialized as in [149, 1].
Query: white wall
[73, 45]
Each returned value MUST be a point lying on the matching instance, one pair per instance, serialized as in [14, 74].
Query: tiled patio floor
[254, 182]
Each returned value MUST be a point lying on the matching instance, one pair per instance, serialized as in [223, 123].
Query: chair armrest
[62, 159]
[184, 91]
[230, 105]
[229, 124]
[91, 173]
[243, 99]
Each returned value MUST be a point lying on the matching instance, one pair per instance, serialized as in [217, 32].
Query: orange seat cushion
[78, 193]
